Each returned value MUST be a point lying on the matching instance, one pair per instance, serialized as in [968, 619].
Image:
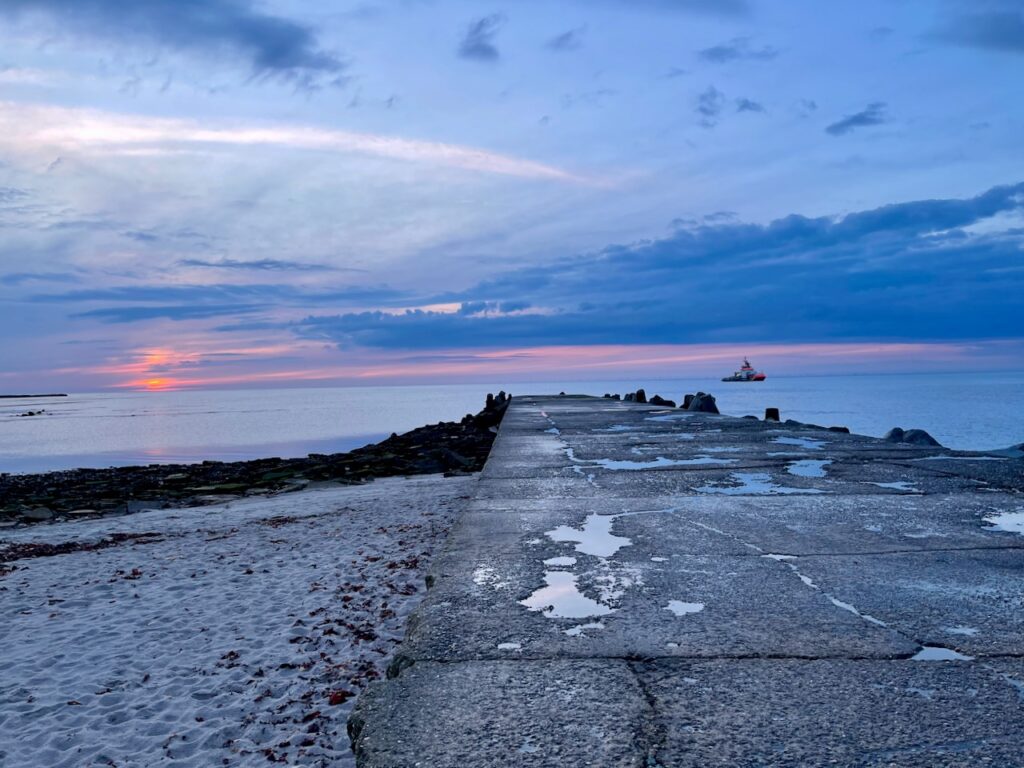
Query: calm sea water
[966, 411]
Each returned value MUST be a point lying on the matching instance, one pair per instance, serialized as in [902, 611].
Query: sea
[975, 411]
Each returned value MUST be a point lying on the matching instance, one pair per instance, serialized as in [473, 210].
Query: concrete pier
[642, 586]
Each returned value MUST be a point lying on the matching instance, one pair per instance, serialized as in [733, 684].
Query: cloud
[478, 42]
[708, 7]
[263, 265]
[12, 194]
[913, 271]
[571, 40]
[227, 29]
[747, 105]
[27, 127]
[710, 104]
[19, 278]
[737, 49]
[999, 27]
[873, 114]
[136, 314]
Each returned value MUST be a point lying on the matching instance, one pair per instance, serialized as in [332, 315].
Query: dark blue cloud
[478, 42]
[737, 49]
[903, 272]
[748, 105]
[571, 40]
[271, 45]
[710, 104]
[179, 312]
[264, 265]
[873, 114]
[997, 26]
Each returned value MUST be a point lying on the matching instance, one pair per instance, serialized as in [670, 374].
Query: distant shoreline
[27, 397]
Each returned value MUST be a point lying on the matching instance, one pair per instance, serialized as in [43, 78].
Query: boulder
[911, 437]
[37, 514]
[771, 414]
[641, 396]
[843, 430]
[659, 400]
[703, 402]
[629, 397]
[687, 399]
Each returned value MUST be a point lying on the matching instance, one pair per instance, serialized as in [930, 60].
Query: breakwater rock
[447, 447]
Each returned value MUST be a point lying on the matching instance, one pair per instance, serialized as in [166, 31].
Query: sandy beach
[229, 635]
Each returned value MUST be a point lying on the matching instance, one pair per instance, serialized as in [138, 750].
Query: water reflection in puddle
[579, 629]
[556, 562]
[562, 599]
[808, 467]
[803, 442]
[753, 483]
[594, 537]
[1011, 522]
[898, 485]
[661, 461]
[937, 653]
[679, 608]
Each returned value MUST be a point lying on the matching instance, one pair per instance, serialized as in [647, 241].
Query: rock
[703, 402]
[629, 397]
[616, 397]
[641, 396]
[771, 414]
[659, 400]
[37, 514]
[911, 437]
[843, 430]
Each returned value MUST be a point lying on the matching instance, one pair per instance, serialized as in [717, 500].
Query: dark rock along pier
[635, 585]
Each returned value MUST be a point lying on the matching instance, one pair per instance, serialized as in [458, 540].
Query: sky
[234, 193]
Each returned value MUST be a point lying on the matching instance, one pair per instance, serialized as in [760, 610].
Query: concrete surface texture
[641, 586]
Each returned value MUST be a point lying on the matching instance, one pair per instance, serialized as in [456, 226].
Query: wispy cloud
[737, 49]
[478, 42]
[873, 114]
[748, 105]
[263, 265]
[570, 40]
[223, 29]
[710, 104]
[60, 129]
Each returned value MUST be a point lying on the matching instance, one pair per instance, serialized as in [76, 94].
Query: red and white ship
[746, 373]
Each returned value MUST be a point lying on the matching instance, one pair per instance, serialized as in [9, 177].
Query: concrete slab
[834, 712]
[634, 585]
[567, 713]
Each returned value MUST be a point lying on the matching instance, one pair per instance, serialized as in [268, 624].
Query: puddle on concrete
[898, 485]
[579, 629]
[486, 576]
[965, 631]
[553, 431]
[937, 653]
[753, 483]
[615, 428]
[772, 556]
[962, 458]
[1010, 522]
[556, 562]
[669, 417]
[808, 467]
[595, 537]
[803, 442]
[784, 454]
[679, 608]
[510, 647]
[658, 559]
[562, 599]
[661, 461]
[847, 607]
